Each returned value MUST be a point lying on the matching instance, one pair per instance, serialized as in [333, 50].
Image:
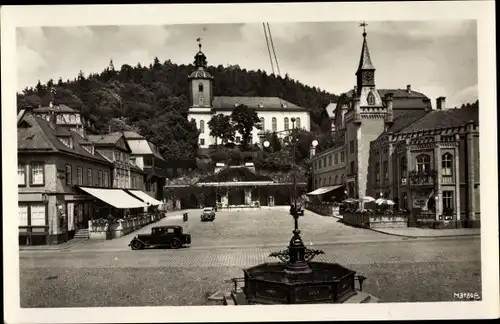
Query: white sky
[438, 58]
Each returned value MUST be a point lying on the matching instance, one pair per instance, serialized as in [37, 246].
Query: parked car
[165, 236]
[208, 214]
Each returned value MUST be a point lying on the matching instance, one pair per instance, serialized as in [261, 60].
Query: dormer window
[261, 105]
[72, 119]
[68, 141]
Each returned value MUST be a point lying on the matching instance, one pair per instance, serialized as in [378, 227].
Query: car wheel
[175, 244]
[136, 245]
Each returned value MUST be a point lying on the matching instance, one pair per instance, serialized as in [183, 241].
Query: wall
[49, 172]
[195, 94]
[206, 134]
[63, 160]
[139, 180]
[330, 171]
[370, 129]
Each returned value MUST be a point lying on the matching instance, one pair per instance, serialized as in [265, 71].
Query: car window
[170, 230]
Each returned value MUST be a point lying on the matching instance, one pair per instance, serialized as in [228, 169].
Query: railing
[33, 235]
[447, 179]
[323, 208]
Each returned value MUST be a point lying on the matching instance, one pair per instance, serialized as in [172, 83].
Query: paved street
[399, 270]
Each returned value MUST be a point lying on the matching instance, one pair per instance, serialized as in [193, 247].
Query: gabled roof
[444, 119]
[41, 136]
[108, 139]
[56, 108]
[258, 103]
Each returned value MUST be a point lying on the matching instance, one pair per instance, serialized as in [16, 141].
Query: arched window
[403, 167]
[200, 87]
[275, 124]
[202, 126]
[263, 123]
[286, 123]
[423, 162]
[377, 172]
[447, 164]
[343, 178]
[336, 180]
[370, 99]
[324, 181]
[330, 180]
[72, 118]
[297, 122]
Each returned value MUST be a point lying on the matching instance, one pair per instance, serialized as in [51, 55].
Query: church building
[275, 114]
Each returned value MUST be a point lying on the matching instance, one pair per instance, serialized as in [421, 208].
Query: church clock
[368, 77]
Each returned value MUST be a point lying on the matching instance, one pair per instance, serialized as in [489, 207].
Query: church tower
[200, 96]
[200, 82]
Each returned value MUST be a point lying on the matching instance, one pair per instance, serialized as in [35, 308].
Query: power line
[274, 52]
[268, 49]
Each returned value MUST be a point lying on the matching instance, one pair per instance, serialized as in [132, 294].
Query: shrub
[219, 156]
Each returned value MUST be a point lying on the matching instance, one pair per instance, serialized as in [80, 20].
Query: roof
[143, 147]
[56, 108]
[200, 74]
[444, 119]
[41, 136]
[402, 98]
[324, 190]
[258, 103]
[330, 109]
[134, 167]
[108, 139]
[132, 135]
[365, 61]
[405, 119]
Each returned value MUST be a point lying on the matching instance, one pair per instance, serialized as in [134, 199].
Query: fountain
[297, 279]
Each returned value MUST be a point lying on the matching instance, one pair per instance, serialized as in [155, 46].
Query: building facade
[274, 113]
[397, 146]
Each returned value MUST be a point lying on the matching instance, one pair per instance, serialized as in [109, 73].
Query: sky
[438, 58]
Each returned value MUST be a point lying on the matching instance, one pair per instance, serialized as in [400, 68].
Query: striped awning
[324, 190]
[117, 198]
[145, 197]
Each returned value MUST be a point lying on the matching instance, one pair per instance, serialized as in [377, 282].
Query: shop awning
[115, 197]
[323, 190]
[145, 197]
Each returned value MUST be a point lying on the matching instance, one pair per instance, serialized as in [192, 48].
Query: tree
[244, 120]
[221, 127]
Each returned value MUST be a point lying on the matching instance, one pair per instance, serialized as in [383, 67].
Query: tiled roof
[404, 119]
[402, 99]
[365, 61]
[131, 134]
[443, 119]
[258, 103]
[105, 139]
[56, 108]
[41, 136]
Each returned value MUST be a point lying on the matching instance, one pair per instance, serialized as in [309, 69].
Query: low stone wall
[375, 220]
[324, 208]
[102, 231]
[442, 224]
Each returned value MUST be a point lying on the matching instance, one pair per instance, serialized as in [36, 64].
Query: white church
[275, 114]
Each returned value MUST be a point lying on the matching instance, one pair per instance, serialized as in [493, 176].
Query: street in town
[108, 273]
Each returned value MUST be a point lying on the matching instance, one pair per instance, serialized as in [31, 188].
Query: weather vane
[363, 24]
[199, 42]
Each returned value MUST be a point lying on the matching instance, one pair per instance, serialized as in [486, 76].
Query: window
[342, 157]
[447, 164]
[99, 178]
[23, 215]
[336, 179]
[447, 199]
[423, 162]
[297, 122]
[79, 175]
[405, 200]
[370, 99]
[89, 177]
[403, 166]
[336, 158]
[286, 123]
[69, 174]
[200, 87]
[324, 161]
[200, 101]
[274, 124]
[319, 164]
[386, 171]
[263, 123]
[37, 174]
[202, 141]
[37, 215]
[343, 178]
[238, 139]
[351, 147]
[148, 161]
[106, 179]
[352, 167]
[330, 180]
[330, 160]
[324, 181]
[377, 172]
[202, 126]
[72, 118]
[133, 182]
[21, 174]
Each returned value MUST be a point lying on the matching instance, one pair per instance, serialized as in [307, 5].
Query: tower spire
[199, 43]
[365, 62]
[200, 60]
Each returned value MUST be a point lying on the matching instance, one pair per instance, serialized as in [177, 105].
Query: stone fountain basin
[268, 283]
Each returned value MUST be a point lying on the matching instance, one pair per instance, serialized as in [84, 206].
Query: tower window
[423, 162]
[370, 99]
[200, 100]
[202, 126]
[286, 123]
[200, 87]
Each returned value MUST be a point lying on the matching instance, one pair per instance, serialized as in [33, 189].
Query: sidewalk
[55, 247]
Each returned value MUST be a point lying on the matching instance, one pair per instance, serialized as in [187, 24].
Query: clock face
[368, 77]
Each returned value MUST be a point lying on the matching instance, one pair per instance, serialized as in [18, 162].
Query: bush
[219, 156]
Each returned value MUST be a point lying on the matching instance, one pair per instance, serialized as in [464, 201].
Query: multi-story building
[380, 127]
[52, 162]
[275, 114]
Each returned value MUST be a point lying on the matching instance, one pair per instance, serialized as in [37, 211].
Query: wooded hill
[153, 99]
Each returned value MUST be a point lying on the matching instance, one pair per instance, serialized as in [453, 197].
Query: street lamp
[266, 144]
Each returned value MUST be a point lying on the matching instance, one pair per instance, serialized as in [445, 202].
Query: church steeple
[200, 60]
[200, 82]
[366, 71]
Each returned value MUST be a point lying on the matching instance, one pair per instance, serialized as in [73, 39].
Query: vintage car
[161, 236]
[208, 214]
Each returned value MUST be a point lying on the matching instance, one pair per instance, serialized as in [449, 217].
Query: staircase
[82, 233]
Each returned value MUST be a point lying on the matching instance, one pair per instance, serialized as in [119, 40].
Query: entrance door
[236, 197]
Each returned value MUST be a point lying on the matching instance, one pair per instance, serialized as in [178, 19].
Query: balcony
[447, 179]
[422, 178]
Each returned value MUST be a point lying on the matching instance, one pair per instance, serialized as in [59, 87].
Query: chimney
[441, 103]
[408, 88]
[427, 104]
[92, 148]
[389, 118]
